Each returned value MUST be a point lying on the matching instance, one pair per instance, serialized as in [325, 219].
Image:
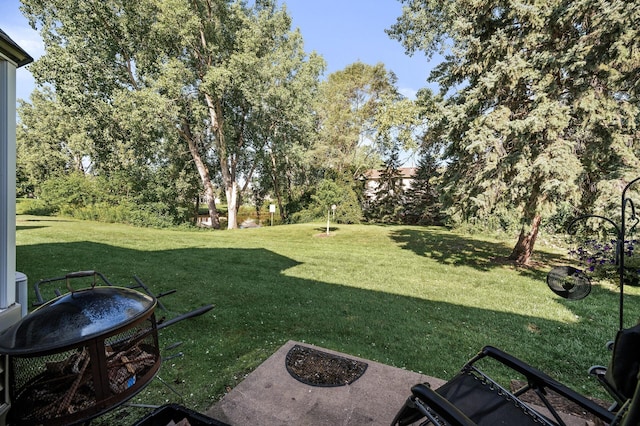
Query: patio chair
[474, 398]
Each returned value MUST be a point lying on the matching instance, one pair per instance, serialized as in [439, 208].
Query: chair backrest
[624, 366]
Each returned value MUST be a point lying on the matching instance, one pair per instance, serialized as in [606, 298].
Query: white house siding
[11, 57]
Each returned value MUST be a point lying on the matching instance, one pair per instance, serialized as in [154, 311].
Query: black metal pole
[625, 201]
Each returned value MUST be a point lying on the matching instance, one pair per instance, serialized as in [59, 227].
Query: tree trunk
[227, 171]
[276, 186]
[78, 166]
[524, 247]
[211, 204]
[209, 192]
[203, 171]
[196, 213]
[232, 205]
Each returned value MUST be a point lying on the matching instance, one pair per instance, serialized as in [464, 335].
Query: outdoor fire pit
[80, 355]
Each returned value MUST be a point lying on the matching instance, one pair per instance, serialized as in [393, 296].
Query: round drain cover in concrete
[316, 368]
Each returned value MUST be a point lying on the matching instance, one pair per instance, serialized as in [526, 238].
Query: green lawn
[424, 299]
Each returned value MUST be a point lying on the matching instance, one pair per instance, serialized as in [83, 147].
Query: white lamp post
[333, 209]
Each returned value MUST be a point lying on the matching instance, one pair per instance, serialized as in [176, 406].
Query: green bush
[303, 216]
[149, 215]
[145, 215]
[328, 193]
[89, 198]
[69, 191]
[102, 212]
[34, 206]
[500, 220]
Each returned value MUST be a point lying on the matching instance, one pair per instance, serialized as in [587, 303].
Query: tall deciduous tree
[218, 74]
[543, 96]
[361, 113]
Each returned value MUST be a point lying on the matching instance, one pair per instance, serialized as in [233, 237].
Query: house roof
[405, 173]
[12, 51]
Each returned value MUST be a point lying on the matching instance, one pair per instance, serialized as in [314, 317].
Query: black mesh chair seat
[486, 403]
[473, 398]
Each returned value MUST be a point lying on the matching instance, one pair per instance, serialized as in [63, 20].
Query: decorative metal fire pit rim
[75, 317]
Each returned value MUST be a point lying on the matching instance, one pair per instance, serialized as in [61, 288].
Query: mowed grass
[419, 298]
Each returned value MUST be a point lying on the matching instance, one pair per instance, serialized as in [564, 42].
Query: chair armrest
[439, 405]
[541, 380]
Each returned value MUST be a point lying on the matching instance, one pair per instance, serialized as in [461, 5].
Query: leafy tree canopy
[360, 114]
[218, 81]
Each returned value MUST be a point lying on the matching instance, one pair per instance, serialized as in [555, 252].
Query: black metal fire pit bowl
[80, 355]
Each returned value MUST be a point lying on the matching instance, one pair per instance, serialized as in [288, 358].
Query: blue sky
[345, 31]
[342, 31]
[17, 27]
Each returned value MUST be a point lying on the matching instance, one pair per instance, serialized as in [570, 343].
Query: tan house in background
[371, 180]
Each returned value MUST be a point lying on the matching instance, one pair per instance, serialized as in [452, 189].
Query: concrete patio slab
[270, 396]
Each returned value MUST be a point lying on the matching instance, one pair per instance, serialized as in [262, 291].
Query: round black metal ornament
[569, 282]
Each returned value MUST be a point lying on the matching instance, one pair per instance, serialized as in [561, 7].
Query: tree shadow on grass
[258, 308]
[40, 219]
[324, 229]
[26, 227]
[452, 249]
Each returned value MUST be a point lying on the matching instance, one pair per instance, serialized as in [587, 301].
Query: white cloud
[28, 39]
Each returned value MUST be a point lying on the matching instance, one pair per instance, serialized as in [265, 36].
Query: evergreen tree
[422, 205]
[540, 100]
[387, 205]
